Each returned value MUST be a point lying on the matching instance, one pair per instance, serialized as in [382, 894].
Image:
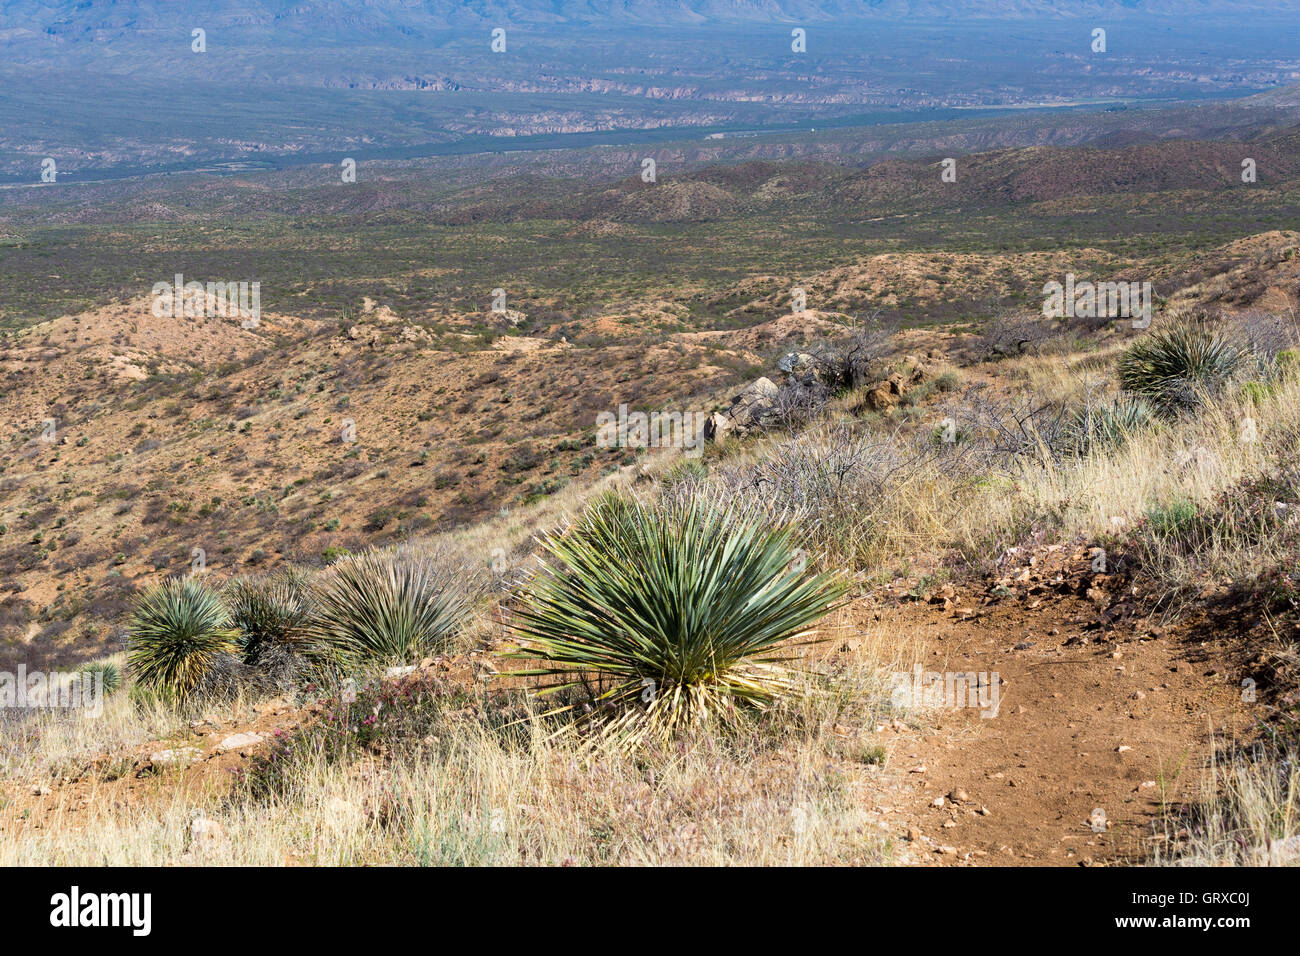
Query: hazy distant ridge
[71, 20]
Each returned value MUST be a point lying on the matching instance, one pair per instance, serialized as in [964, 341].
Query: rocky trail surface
[1101, 720]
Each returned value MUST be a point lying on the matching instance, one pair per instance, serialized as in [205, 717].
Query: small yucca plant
[384, 608]
[677, 612]
[1172, 367]
[1109, 426]
[270, 612]
[178, 632]
[107, 671]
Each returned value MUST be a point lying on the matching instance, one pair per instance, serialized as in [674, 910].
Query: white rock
[238, 742]
[1285, 852]
[178, 757]
[205, 830]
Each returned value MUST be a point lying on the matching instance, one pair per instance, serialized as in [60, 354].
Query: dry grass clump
[458, 783]
[43, 745]
[1248, 814]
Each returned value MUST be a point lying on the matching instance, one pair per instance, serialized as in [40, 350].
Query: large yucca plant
[178, 631]
[385, 608]
[271, 613]
[1174, 367]
[676, 613]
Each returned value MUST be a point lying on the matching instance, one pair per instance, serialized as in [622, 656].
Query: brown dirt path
[1098, 710]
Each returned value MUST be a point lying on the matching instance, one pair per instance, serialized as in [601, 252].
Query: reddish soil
[1099, 709]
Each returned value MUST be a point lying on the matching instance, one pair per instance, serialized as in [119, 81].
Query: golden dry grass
[1248, 813]
[798, 790]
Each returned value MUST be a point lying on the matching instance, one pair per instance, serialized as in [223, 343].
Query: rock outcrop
[750, 409]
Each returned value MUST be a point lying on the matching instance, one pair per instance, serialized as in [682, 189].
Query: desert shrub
[1256, 393]
[387, 607]
[1175, 368]
[674, 615]
[809, 475]
[687, 472]
[856, 359]
[1246, 532]
[1013, 334]
[1178, 522]
[393, 715]
[525, 457]
[831, 483]
[1269, 335]
[948, 381]
[795, 407]
[177, 633]
[1007, 434]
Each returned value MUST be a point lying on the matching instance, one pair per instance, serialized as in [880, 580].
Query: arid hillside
[141, 445]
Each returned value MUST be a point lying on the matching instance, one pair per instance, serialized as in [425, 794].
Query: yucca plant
[271, 613]
[1172, 367]
[1109, 426]
[678, 613]
[108, 673]
[384, 608]
[178, 631]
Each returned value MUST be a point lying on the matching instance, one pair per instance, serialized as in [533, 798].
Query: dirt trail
[1098, 710]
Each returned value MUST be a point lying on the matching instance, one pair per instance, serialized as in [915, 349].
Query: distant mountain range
[99, 20]
[103, 84]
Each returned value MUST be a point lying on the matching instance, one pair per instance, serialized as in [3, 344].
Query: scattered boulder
[368, 334]
[511, 317]
[886, 394]
[801, 367]
[755, 396]
[415, 334]
[716, 426]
